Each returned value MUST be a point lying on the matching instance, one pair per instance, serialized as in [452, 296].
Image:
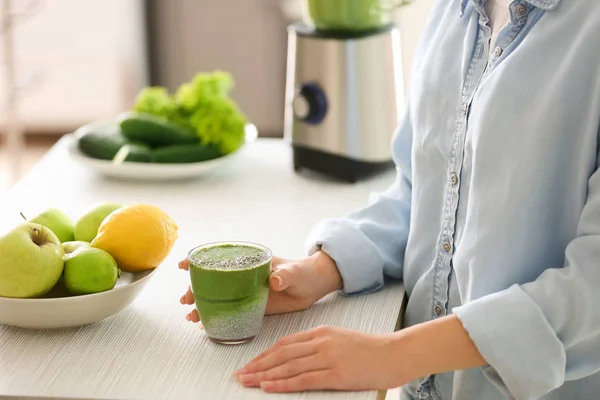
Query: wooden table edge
[381, 394]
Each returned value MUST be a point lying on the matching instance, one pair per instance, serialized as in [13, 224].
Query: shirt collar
[543, 4]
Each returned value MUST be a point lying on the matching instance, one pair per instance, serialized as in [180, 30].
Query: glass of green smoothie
[230, 283]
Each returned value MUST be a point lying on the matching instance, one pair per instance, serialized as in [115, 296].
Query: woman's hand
[295, 285]
[325, 358]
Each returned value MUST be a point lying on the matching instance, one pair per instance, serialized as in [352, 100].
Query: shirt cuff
[357, 260]
[524, 354]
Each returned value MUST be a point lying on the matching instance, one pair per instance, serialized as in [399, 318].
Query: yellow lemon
[138, 236]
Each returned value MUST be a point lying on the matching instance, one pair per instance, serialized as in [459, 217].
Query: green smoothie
[230, 283]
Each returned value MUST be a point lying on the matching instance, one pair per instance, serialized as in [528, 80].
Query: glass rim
[268, 252]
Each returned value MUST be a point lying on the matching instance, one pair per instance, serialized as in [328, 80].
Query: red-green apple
[31, 261]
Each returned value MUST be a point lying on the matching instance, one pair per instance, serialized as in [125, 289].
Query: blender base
[343, 101]
[332, 165]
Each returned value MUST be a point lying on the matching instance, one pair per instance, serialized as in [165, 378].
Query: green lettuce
[203, 105]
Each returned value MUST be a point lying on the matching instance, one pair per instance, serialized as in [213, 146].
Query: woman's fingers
[193, 316]
[313, 380]
[283, 276]
[279, 357]
[276, 281]
[183, 264]
[304, 336]
[289, 369]
[188, 297]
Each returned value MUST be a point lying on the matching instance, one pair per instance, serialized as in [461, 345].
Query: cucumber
[154, 131]
[185, 153]
[103, 143]
[139, 152]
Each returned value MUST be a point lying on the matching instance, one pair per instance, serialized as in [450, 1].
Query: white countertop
[149, 351]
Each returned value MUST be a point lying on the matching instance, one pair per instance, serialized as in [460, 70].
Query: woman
[492, 223]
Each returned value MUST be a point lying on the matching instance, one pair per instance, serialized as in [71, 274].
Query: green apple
[70, 247]
[58, 222]
[90, 270]
[86, 227]
[31, 261]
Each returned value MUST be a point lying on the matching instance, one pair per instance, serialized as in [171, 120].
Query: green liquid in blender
[351, 15]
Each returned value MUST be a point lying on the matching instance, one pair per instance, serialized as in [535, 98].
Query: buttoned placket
[474, 73]
[481, 63]
[519, 12]
[478, 68]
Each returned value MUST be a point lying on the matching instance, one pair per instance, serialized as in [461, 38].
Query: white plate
[152, 171]
[70, 312]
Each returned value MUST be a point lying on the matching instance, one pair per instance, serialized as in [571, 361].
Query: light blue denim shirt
[495, 211]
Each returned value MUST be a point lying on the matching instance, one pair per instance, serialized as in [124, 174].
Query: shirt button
[438, 309]
[453, 178]
[497, 51]
[521, 10]
[464, 109]
[447, 247]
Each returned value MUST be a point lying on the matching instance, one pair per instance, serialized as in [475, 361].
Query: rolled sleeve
[369, 243]
[513, 335]
[537, 335]
[357, 258]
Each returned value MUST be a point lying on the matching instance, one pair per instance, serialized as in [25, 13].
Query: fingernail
[181, 300]
[267, 385]
[240, 371]
[246, 378]
[188, 317]
[279, 280]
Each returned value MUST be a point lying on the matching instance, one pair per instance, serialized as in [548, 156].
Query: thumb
[283, 276]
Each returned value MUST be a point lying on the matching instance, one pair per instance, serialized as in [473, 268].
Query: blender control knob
[310, 104]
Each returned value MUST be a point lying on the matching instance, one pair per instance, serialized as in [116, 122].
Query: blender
[344, 91]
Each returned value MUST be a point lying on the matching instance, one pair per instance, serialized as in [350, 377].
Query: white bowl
[152, 171]
[74, 311]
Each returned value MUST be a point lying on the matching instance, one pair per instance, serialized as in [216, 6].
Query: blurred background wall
[78, 61]
[75, 61]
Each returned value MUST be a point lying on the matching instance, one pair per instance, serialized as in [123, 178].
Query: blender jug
[350, 15]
